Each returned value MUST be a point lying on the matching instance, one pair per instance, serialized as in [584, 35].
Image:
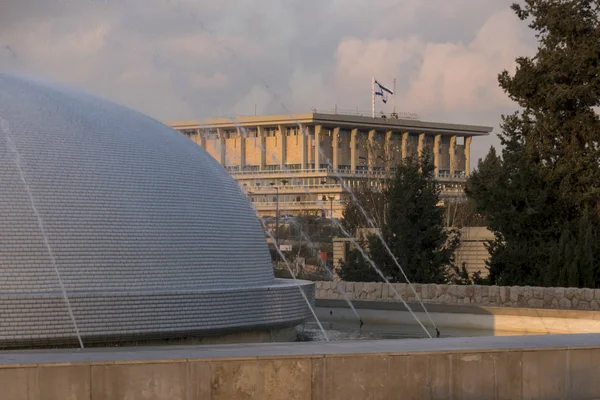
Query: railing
[342, 172]
[292, 188]
[321, 204]
[362, 113]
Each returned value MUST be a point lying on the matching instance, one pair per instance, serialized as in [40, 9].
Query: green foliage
[356, 268]
[373, 199]
[414, 229]
[542, 197]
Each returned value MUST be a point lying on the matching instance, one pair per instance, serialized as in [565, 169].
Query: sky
[194, 59]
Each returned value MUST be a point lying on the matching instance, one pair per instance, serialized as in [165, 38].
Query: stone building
[308, 162]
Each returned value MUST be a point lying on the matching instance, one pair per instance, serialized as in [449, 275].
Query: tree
[372, 199]
[414, 229]
[542, 197]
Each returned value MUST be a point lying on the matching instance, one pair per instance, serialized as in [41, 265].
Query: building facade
[307, 163]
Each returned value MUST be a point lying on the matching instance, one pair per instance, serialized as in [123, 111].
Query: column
[371, 150]
[452, 151]
[353, 135]
[201, 139]
[436, 153]
[335, 144]
[302, 132]
[420, 145]
[468, 155]
[282, 146]
[404, 145]
[221, 134]
[262, 145]
[242, 136]
[388, 152]
[317, 144]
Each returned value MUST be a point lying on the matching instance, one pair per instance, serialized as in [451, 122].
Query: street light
[283, 182]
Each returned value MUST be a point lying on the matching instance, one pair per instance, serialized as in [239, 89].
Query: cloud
[182, 59]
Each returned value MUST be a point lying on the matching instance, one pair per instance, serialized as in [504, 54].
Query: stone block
[318, 383]
[139, 381]
[362, 377]
[199, 381]
[588, 294]
[461, 291]
[234, 380]
[504, 294]
[509, 375]
[571, 293]
[349, 286]
[538, 293]
[439, 376]
[284, 379]
[564, 303]
[584, 370]
[385, 291]
[555, 303]
[471, 376]
[583, 305]
[574, 303]
[597, 295]
[559, 293]
[470, 291]
[527, 292]
[595, 305]
[319, 285]
[544, 374]
[19, 383]
[440, 290]
[64, 383]
[494, 294]
[535, 303]
[514, 293]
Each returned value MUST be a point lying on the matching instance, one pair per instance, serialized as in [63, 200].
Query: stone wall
[500, 296]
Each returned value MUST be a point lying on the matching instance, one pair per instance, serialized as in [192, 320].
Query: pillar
[404, 145]
[388, 152]
[201, 139]
[302, 133]
[282, 146]
[452, 151]
[242, 136]
[353, 135]
[262, 145]
[371, 150]
[317, 146]
[335, 144]
[436, 153]
[420, 145]
[468, 155]
[221, 134]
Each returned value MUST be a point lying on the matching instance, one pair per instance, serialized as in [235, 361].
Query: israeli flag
[382, 91]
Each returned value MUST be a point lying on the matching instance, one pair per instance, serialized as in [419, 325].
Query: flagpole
[394, 97]
[373, 97]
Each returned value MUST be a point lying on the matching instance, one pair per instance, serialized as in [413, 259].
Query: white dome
[149, 233]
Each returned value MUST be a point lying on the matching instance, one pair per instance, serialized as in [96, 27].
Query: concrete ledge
[462, 309]
[534, 367]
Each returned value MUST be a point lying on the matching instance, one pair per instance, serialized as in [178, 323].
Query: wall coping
[169, 354]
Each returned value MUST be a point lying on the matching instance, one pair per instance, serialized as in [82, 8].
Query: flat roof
[341, 120]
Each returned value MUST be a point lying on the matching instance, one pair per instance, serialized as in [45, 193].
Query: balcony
[443, 176]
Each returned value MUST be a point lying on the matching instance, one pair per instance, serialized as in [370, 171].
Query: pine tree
[542, 197]
[415, 229]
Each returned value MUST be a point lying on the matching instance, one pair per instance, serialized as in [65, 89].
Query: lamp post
[331, 207]
[276, 219]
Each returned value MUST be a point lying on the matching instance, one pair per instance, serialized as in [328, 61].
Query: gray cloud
[190, 59]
